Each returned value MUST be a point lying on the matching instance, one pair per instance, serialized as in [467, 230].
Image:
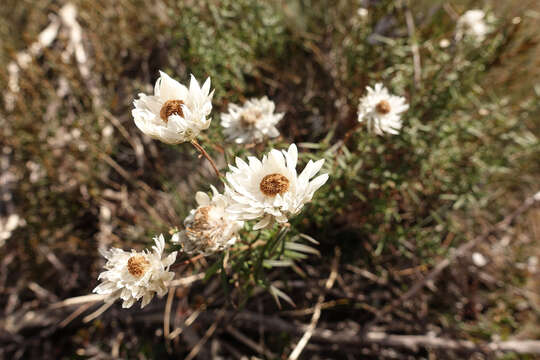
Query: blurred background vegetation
[81, 176]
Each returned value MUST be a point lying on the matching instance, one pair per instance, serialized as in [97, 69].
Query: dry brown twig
[24, 58]
[78, 300]
[250, 343]
[450, 11]
[252, 321]
[98, 312]
[66, 21]
[340, 144]
[14, 323]
[75, 314]
[209, 332]
[167, 313]
[317, 310]
[188, 280]
[190, 320]
[134, 141]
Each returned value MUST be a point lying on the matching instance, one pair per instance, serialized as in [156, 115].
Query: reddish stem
[205, 154]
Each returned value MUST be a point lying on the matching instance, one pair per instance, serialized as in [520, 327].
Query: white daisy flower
[7, 226]
[209, 227]
[472, 25]
[362, 12]
[252, 122]
[174, 114]
[271, 189]
[444, 43]
[133, 275]
[381, 110]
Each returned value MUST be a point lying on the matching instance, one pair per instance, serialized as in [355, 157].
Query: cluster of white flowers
[472, 25]
[266, 190]
[381, 111]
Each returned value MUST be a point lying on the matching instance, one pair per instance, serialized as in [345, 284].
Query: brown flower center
[274, 184]
[171, 107]
[383, 107]
[204, 229]
[250, 117]
[200, 220]
[137, 265]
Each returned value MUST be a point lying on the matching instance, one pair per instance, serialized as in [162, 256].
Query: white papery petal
[264, 222]
[254, 163]
[194, 87]
[241, 164]
[316, 183]
[206, 86]
[128, 303]
[146, 299]
[292, 157]
[202, 198]
[169, 260]
[170, 89]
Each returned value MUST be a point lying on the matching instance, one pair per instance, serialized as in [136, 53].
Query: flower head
[472, 24]
[252, 122]
[209, 227]
[271, 189]
[381, 110]
[133, 275]
[444, 43]
[7, 226]
[362, 12]
[174, 114]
